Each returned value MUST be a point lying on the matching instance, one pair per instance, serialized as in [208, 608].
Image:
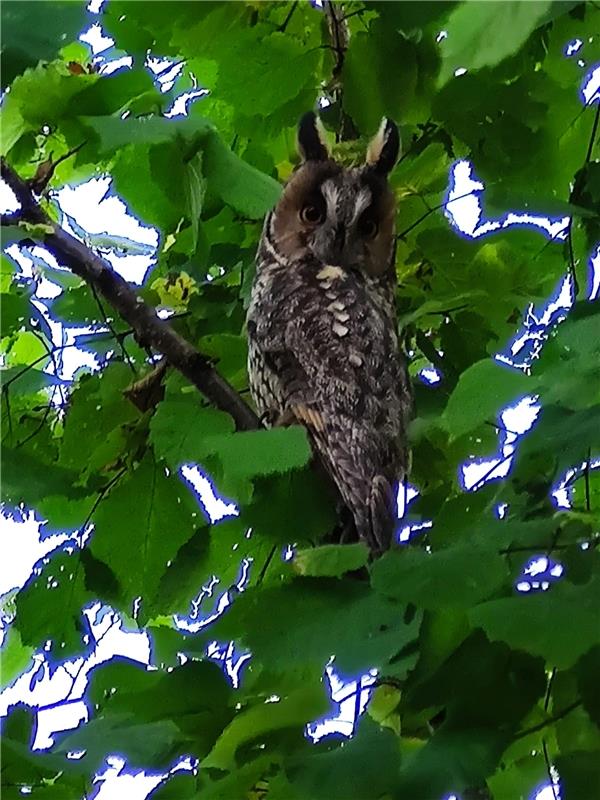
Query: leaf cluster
[480, 687]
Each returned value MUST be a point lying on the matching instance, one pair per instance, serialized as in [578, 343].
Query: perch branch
[148, 328]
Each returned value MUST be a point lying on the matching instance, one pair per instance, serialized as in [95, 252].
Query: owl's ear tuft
[311, 138]
[384, 147]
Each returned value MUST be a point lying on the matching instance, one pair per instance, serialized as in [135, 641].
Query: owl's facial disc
[346, 224]
[336, 215]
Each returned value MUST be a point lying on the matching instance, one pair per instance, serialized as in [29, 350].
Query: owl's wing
[348, 395]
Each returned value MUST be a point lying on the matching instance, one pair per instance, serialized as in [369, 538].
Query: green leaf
[293, 711]
[560, 624]
[195, 189]
[16, 312]
[53, 86]
[182, 429]
[99, 411]
[579, 775]
[115, 94]
[237, 183]
[147, 532]
[484, 34]
[368, 95]
[452, 760]
[587, 678]
[456, 577]
[243, 779]
[483, 389]
[267, 452]
[15, 656]
[367, 767]
[139, 743]
[76, 304]
[178, 786]
[560, 439]
[289, 64]
[330, 560]
[195, 697]
[516, 778]
[297, 506]
[332, 616]
[114, 133]
[231, 355]
[50, 604]
[28, 479]
[24, 43]
[21, 766]
[569, 371]
[24, 380]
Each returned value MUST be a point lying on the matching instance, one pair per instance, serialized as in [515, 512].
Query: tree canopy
[486, 679]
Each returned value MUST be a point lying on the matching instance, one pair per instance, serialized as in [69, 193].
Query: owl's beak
[330, 244]
[335, 243]
[339, 237]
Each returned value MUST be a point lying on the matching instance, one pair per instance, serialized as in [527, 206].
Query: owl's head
[340, 216]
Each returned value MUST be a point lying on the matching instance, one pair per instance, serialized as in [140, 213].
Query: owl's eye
[368, 227]
[312, 214]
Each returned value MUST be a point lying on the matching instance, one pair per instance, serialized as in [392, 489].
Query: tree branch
[339, 35]
[148, 328]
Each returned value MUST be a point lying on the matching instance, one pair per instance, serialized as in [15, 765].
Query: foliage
[484, 683]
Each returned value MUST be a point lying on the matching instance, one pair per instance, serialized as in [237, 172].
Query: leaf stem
[290, 14]
[433, 209]
[550, 721]
[265, 566]
[111, 328]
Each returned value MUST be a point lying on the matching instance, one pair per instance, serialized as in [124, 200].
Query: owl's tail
[382, 509]
[371, 500]
[375, 519]
[374, 509]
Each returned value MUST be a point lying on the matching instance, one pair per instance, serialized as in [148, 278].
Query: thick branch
[149, 329]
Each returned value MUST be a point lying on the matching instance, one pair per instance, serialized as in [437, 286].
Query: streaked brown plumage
[323, 343]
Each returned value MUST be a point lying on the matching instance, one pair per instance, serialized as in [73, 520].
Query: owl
[322, 331]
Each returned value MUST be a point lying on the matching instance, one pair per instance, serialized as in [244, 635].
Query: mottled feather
[323, 343]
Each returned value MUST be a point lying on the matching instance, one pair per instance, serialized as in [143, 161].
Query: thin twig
[551, 720]
[432, 210]
[286, 21]
[33, 364]
[593, 134]
[79, 538]
[357, 699]
[50, 405]
[572, 270]
[265, 566]
[549, 770]
[549, 689]
[354, 13]
[111, 328]
[339, 34]
[586, 479]
[51, 353]
[47, 409]
[8, 414]
[533, 548]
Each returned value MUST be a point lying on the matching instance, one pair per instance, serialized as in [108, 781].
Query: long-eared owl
[322, 330]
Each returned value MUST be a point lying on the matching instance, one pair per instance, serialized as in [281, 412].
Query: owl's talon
[269, 418]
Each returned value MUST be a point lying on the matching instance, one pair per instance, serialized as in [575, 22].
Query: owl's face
[343, 217]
